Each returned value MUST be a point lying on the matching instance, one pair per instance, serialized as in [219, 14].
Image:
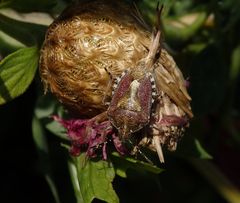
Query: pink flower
[90, 136]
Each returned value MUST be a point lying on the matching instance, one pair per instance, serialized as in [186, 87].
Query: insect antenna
[138, 16]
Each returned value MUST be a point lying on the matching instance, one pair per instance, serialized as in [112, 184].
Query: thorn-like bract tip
[157, 144]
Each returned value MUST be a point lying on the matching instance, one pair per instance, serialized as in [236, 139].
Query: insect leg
[140, 152]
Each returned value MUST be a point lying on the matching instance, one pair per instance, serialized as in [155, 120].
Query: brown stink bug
[130, 107]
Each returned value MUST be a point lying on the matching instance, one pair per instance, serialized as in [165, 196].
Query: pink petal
[118, 145]
[90, 136]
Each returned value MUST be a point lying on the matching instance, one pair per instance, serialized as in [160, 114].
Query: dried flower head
[85, 50]
[89, 44]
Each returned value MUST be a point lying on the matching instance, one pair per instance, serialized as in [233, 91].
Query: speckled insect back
[86, 49]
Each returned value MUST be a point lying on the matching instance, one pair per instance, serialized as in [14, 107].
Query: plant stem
[217, 179]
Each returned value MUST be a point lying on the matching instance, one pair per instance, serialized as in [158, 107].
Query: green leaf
[235, 64]
[148, 8]
[42, 148]
[203, 154]
[8, 44]
[181, 29]
[46, 107]
[95, 179]
[191, 146]
[29, 5]
[39, 18]
[121, 164]
[75, 182]
[28, 33]
[57, 129]
[17, 72]
[178, 28]
[38, 136]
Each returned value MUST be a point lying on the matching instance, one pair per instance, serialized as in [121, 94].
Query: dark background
[213, 71]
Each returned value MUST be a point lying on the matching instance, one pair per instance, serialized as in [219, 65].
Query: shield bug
[131, 104]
